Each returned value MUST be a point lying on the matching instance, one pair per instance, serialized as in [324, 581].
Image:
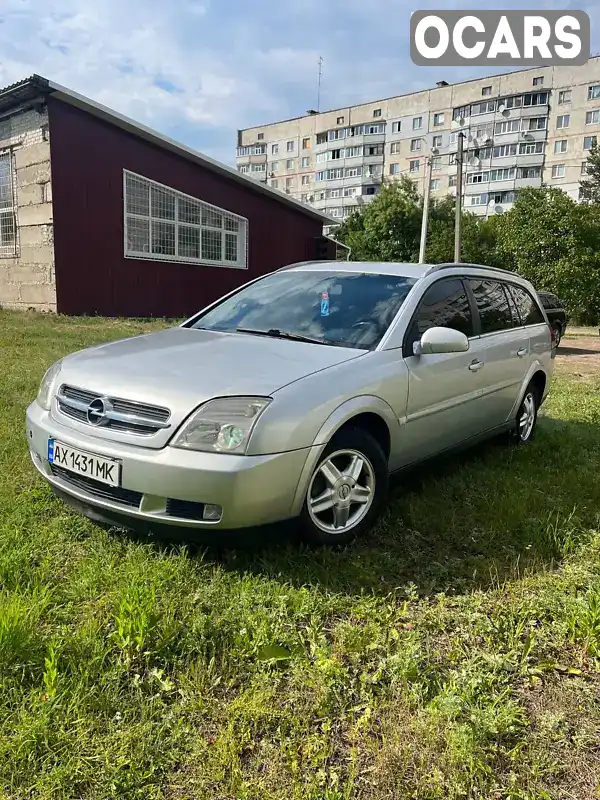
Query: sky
[197, 70]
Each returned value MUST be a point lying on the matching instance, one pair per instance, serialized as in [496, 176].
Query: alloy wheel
[341, 491]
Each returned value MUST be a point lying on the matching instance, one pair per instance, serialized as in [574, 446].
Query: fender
[537, 366]
[363, 404]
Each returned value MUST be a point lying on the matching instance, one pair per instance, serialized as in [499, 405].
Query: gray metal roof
[36, 87]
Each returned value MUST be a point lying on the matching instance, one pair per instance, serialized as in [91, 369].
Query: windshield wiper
[275, 333]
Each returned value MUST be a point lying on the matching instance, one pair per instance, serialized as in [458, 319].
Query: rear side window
[445, 305]
[492, 303]
[529, 310]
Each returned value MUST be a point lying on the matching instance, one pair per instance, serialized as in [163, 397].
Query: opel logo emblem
[344, 492]
[97, 411]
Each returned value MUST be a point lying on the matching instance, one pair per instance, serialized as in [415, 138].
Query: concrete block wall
[27, 276]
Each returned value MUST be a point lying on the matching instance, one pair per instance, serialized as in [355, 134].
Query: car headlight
[222, 426]
[44, 397]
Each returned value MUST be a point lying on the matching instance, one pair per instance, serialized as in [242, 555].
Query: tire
[526, 419]
[557, 332]
[338, 518]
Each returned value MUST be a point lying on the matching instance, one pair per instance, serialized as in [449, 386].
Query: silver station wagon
[294, 397]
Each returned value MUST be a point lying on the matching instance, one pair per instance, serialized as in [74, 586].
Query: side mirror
[443, 340]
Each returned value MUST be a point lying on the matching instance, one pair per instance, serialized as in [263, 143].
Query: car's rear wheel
[526, 421]
[347, 489]
[557, 333]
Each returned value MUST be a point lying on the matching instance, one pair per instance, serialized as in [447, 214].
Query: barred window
[165, 225]
[8, 238]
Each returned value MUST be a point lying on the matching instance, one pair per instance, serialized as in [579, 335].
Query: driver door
[445, 404]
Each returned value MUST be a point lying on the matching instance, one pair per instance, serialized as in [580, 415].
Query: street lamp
[425, 217]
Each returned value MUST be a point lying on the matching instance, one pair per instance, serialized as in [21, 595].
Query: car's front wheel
[347, 488]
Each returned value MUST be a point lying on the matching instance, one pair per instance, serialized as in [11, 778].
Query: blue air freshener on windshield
[325, 304]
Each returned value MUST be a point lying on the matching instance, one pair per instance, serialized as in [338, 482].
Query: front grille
[184, 509]
[125, 497]
[122, 415]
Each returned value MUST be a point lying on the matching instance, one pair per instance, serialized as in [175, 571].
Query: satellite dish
[474, 162]
[489, 141]
[474, 142]
[434, 151]
[501, 108]
[505, 112]
[498, 210]
[458, 122]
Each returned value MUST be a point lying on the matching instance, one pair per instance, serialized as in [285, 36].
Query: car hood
[181, 368]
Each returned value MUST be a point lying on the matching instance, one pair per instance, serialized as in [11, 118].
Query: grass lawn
[452, 654]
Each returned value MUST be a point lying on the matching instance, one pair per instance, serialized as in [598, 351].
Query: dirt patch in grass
[579, 357]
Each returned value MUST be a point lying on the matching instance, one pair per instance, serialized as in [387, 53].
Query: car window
[347, 309]
[492, 304]
[446, 305]
[528, 309]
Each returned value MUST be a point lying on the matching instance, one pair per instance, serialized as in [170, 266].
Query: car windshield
[347, 309]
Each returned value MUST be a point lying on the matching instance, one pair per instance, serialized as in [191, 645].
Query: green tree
[590, 185]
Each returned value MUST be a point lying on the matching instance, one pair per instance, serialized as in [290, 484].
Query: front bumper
[171, 486]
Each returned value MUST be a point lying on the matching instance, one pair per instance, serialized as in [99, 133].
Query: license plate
[105, 470]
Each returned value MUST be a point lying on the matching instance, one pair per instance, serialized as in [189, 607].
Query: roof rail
[451, 264]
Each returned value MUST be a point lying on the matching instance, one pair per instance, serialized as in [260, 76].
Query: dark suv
[557, 316]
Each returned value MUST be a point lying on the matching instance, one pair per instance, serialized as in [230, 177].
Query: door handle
[475, 365]
[522, 352]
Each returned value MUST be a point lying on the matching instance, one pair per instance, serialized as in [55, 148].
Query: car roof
[401, 269]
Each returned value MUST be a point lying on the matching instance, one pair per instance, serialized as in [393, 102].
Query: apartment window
[252, 150]
[478, 177]
[461, 111]
[290, 147]
[594, 91]
[529, 172]
[305, 180]
[436, 141]
[483, 108]
[516, 101]
[335, 174]
[377, 112]
[394, 169]
[274, 149]
[375, 128]
[321, 138]
[504, 150]
[434, 184]
[564, 96]
[504, 174]
[339, 121]
[486, 91]
[558, 170]
[244, 168]
[477, 200]
[320, 157]
[352, 152]
[289, 183]
[351, 191]
[453, 137]
[415, 145]
[336, 212]
[589, 142]
[338, 133]
[438, 119]
[374, 150]
[592, 118]
[531, 148]
[584, 167]
[161, 223]
[538, 81]
[334, 193]
[436, 162]
[274, 184]
[535, 124]
[452, 180]
[507, 126]
[306, 143]
[305, 161]
[394, 148]
[260, 137]
[352, 172]
[334, 155]
[370, 190]
[274, 166]
[396, 127]
[289, 164]
[414, 166]
[304, 197]
[417, 123]
[8, 238]
[560, 146]
[563, 121]
[535, 99]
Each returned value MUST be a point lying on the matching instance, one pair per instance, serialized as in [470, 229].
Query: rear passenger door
[536, 327]
[504, 348]
[444, 389]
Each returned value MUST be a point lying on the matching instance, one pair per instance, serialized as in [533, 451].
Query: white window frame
[242, 228]
[555, 170]
[564, 97]
[9, 212]
[561, 146]
[592, 117]
[563, 121]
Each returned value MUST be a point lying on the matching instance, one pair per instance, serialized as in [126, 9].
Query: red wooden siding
[88, 156]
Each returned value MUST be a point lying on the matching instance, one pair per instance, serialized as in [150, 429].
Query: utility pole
[458, 206]
[425, 217]
[320, 62]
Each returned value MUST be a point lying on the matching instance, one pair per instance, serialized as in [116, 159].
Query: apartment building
[528, 128]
